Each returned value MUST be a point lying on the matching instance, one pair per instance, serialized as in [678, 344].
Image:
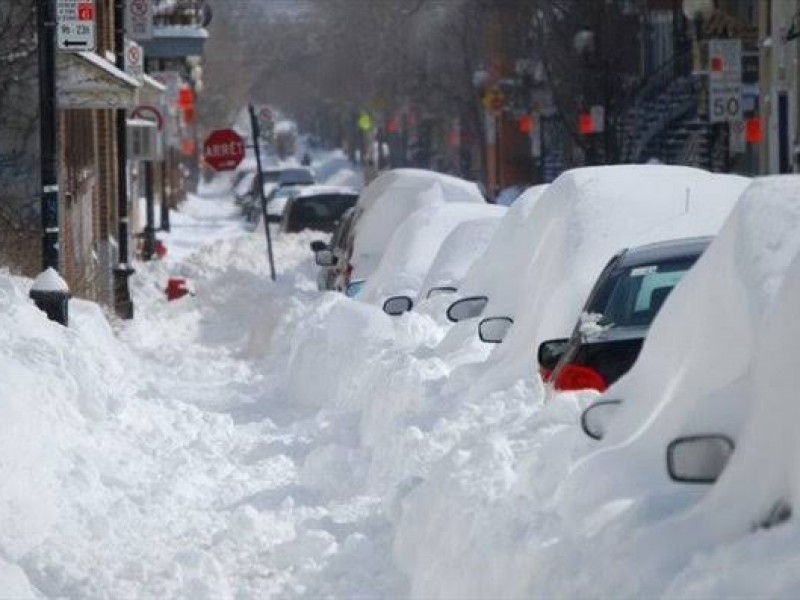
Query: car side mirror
[318, 245]
[440, 291]
[698, 458]
[325, 258]
[494, 329]
[467, 308]
[550, 352]
[397, 305]
[596, 417]
[273, 218]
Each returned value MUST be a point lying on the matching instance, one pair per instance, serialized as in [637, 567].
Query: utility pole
[123, 305]
[49, 292]
[166, 188]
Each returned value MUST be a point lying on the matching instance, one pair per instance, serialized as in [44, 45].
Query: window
[632, 297]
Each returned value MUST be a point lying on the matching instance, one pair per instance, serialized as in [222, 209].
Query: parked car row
[659, 288]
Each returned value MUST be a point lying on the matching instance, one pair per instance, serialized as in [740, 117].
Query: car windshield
[270, 176]
[296, 176]
[632, 297]
[318, 212]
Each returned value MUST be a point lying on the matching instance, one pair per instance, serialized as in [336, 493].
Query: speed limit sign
[725, 102]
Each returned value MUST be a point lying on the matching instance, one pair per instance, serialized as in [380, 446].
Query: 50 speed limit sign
[725, 102]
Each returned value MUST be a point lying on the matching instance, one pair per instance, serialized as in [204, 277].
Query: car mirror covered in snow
[440, 291]
[466, 308]
[494, 329]
[595, 419]
[698, 458]
[325, 258]
[550, 352]
[397, 305]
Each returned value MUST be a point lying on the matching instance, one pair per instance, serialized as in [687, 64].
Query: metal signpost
[256, 133]
[76, 27]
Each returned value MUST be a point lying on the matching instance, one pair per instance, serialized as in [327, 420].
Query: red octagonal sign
[224, 150]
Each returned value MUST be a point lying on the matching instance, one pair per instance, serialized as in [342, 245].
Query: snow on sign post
[76, 27]
[223, 150]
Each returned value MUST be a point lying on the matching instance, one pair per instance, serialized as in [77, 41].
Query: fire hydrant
[176, 288]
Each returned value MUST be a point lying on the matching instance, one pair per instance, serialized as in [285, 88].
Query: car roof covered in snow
[668, 250]
[324, 190]
[393, 196]
[414, 245]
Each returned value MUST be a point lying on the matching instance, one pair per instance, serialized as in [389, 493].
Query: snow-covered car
[397, 281]
[296, 176]
[329, 256]
[317, 207]
[388, 200]
[277, 199]
[459, 250]
[617, 315]
[714, 384]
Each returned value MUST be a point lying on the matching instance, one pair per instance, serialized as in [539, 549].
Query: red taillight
[546, 374]
[574, 377]
[348, 273]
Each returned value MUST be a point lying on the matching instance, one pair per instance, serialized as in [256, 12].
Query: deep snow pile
[270, 440]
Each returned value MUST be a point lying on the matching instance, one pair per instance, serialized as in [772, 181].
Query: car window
[633, 296]
[315, 211]
[270, 176]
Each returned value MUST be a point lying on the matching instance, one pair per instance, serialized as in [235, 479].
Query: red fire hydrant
[176, 288]
[161, 249]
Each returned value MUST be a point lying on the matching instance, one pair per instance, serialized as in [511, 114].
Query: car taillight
[546, 374]
[348, 273]
[575, 377]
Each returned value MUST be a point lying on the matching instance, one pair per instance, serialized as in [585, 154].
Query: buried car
[386, 202]
[398, 279]
[580, 221]
[617, 315]
[685, 407]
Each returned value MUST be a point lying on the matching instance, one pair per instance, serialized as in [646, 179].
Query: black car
[614, 323]
[317, 207]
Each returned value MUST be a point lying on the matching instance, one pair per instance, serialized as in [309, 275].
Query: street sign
[725, 80]
[76, 25]
[264, 114]
[223, 150]
[494, 100]
[738, 138]
[365, 122]
[134, 60]
[139, 19]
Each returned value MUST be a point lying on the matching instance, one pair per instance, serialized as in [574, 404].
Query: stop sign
[224, 150]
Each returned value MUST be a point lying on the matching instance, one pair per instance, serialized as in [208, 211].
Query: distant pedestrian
[306, 160]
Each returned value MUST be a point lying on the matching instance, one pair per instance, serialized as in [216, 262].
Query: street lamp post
[123, 305]
[49, 292]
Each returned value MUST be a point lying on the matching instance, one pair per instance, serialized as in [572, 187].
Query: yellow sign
[365, 122]
[494, 100]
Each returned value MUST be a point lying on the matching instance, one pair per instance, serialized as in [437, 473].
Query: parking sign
[76, 26]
